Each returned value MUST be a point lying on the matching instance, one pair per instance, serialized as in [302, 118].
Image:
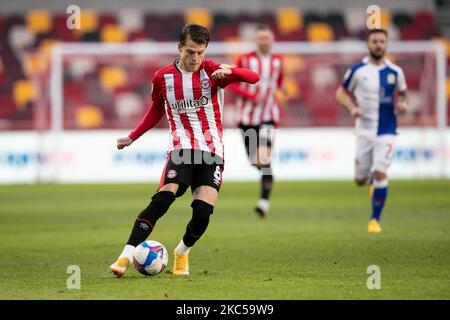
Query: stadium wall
[310, 154]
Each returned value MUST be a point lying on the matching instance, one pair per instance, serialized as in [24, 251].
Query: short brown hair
[196, 33]
[263, 26]
[372, 31]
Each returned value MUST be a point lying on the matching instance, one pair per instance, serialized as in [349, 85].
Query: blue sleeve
[349, 75]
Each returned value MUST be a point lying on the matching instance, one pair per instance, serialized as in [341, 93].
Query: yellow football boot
[374, 226]
[180, 264]
[120, 267]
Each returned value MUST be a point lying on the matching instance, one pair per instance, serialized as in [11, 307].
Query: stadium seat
[88, 23]
[112, 77]
[20, 38]
[448, 88]
[39, 21]
[23, 92]
[317, 32]
[199, 16]
[228, 32]
[243, 17]
[292, 63]
[88, 116]
[394, 32]
[322, 77]
[13, 20]
[355, 19]
[46, 46]
[335, 19]
[267, 18]
[312, 17]
[293, 90]
[131, 20]
[410, 33]
[128, 105]
[34, 64]
[222, 19]
[289, 20]
[8, 107]
[113, 33]
[60, 30]
[138, 35]
[424, 21]
[386, 18]
[402, 19]
[91, 37]
[74, 91]
[106, 19]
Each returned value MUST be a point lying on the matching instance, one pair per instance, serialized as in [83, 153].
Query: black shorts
[192, 168]
[256, 136]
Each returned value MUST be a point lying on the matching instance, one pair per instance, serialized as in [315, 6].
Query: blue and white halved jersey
[373, 87]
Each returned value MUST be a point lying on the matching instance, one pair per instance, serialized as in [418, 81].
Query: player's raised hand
[402, 107]
[221, 73]
[356, 112]
[123, 142]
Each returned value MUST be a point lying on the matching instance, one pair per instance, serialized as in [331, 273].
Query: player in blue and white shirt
[373, 83]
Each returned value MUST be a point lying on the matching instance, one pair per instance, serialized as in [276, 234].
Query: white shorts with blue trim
[373, 154]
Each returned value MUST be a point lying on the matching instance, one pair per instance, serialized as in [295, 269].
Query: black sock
[266, 182]
[199, 222]
[145, 222]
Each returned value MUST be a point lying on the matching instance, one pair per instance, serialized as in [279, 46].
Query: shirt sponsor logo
[186, 105]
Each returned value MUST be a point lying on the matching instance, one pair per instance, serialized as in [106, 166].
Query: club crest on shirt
[205, 83]
[391, 78]
[171, 174]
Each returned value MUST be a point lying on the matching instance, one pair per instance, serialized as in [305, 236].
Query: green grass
[314, 245]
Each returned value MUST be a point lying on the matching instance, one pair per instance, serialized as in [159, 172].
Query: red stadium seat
[8, 107]
[107, 18]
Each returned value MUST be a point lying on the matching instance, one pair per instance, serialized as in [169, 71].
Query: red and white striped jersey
[257, 103]
[192, 102]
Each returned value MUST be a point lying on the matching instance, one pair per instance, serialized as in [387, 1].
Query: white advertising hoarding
[299, 154]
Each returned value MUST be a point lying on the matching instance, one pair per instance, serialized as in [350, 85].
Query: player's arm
[150, 119]
[281, 84]
[227, 76]
[343, 94]
[346, 101]
[402, 104]
[237, 88]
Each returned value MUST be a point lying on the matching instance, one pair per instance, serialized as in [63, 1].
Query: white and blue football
[150, 258]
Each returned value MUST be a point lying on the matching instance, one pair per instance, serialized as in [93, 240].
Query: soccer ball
[150, 258]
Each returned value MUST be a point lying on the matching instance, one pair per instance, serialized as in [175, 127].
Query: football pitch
[313, 245]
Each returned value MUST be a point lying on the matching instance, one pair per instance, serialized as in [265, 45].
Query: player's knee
[379, 176]
[159, 205]
[201, 210]
[361, 182]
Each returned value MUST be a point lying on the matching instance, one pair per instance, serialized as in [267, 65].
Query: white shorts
[373, 154]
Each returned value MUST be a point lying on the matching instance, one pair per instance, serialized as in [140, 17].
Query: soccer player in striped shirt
[189, 93]
[259, 110]
[373, 82]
